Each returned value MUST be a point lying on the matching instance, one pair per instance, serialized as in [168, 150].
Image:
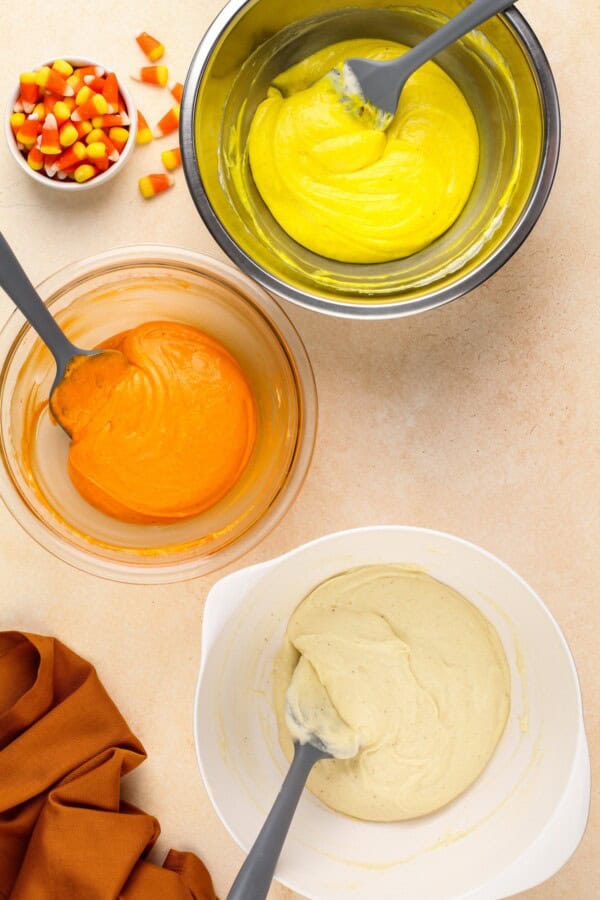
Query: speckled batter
[415, 671]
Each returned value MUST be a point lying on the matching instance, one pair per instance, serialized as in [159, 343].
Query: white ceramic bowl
[73, 186]
[514, 828]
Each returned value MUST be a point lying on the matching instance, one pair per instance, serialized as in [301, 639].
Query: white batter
[414, 671]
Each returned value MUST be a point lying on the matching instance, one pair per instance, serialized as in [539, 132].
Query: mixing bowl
[98, 298]
[512, 829]
[502, 71]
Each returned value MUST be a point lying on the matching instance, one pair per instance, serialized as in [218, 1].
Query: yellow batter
[412, 669]
[348, 191]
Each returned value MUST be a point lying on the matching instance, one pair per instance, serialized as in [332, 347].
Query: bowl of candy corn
[70, 124]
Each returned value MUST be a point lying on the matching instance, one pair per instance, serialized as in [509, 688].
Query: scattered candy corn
[151, 185]
[144, 134]
[169, 122]
[158, 75]
[150, 46]
[171, 159]
[177, 91]
[71, 122]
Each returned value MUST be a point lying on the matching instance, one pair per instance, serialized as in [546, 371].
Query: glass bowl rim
[73, 274]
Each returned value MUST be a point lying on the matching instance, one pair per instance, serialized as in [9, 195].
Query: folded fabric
[65, 832]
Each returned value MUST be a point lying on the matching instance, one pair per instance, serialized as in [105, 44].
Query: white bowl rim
[73, 186]
[579, 773]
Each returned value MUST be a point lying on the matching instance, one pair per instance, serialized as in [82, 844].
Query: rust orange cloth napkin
[65, 832]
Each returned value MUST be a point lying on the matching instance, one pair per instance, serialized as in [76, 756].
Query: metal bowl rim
[375, 309]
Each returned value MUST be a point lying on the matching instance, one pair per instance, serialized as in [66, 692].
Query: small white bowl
[72, 186]
[512, 829]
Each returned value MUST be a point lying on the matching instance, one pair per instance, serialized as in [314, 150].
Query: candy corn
[39, 111]
[177, 91]
[95, 83]
[169, 122]
[30, 91]
[95, 106]
[83, 95]
[84, 173]
[28, 131]
[96, 71]
[72, 157]
[119, 137]
[151, 185]
[83, 129]
[67, 134]
[144, 134]
[110, 92]
[76, 81]
[110, 121]
[71, 122]
[16, 120]
[158, 75]
[35, 159]
[150, 46]
[171, 159]
[97, 136]
[102, 163]
[61, 111]
[96, 150]
[50, 144]
[62, 67]
[50, 80]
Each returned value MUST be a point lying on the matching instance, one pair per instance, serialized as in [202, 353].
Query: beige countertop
[481, 418]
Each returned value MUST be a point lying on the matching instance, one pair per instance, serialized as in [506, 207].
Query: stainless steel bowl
[501, 69]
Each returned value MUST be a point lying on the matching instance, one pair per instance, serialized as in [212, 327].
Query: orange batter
[161, 432]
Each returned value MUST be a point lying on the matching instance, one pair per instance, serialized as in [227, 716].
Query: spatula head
[367, 91]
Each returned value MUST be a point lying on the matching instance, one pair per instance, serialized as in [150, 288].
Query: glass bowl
[115, 291]
[500, 68]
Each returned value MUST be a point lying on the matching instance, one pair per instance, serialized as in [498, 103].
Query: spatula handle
[255, 876]
[477, 12]
[25, 297]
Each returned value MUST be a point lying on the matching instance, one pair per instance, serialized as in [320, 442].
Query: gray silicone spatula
[23, 294]
[316, 738]
[381, 83]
